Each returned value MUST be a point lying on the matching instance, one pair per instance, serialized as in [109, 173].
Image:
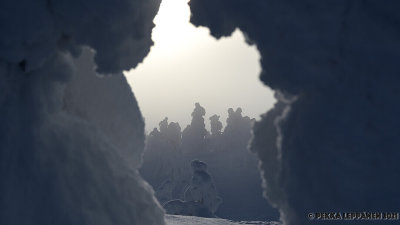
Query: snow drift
[331, 142]
[71, 142]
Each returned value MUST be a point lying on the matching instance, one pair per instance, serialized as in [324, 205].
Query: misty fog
[236, 185]
[187, 65]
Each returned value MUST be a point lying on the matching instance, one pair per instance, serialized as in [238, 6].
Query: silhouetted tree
[193, 137]
[216, 125]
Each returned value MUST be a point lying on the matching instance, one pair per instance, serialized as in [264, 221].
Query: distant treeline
[195, 138]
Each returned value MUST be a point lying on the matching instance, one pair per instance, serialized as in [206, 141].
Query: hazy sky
[186, 65]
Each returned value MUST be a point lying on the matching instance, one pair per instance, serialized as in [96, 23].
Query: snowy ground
[192, 220]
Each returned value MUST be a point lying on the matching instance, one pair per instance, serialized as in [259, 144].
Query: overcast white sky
[186, 65]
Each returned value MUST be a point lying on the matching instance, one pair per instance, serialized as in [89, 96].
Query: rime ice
[71, 142]
[331, 142]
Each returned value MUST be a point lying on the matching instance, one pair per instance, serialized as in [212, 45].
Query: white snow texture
[70, 141]
[332, 141]
[192, 220]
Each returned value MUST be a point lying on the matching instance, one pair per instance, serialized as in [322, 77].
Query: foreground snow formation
[331, 143]
[70, 141]
[192, 220]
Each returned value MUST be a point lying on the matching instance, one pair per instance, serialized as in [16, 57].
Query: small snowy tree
[202, 188]
[193, 136]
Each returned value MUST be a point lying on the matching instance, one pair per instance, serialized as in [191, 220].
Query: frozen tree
[202, 188]
[201, 197]
[174, 134]
[216, 125]
[193, 136]
[163, 165]
[197, 117]
[214, 140]
[164, 126]
[237, 132]
[166, 166]
[170, 134]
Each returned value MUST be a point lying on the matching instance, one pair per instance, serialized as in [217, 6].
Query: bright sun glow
[173, 30]
[186, 65]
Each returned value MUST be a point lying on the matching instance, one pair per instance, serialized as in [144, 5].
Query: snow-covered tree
[202, 188]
